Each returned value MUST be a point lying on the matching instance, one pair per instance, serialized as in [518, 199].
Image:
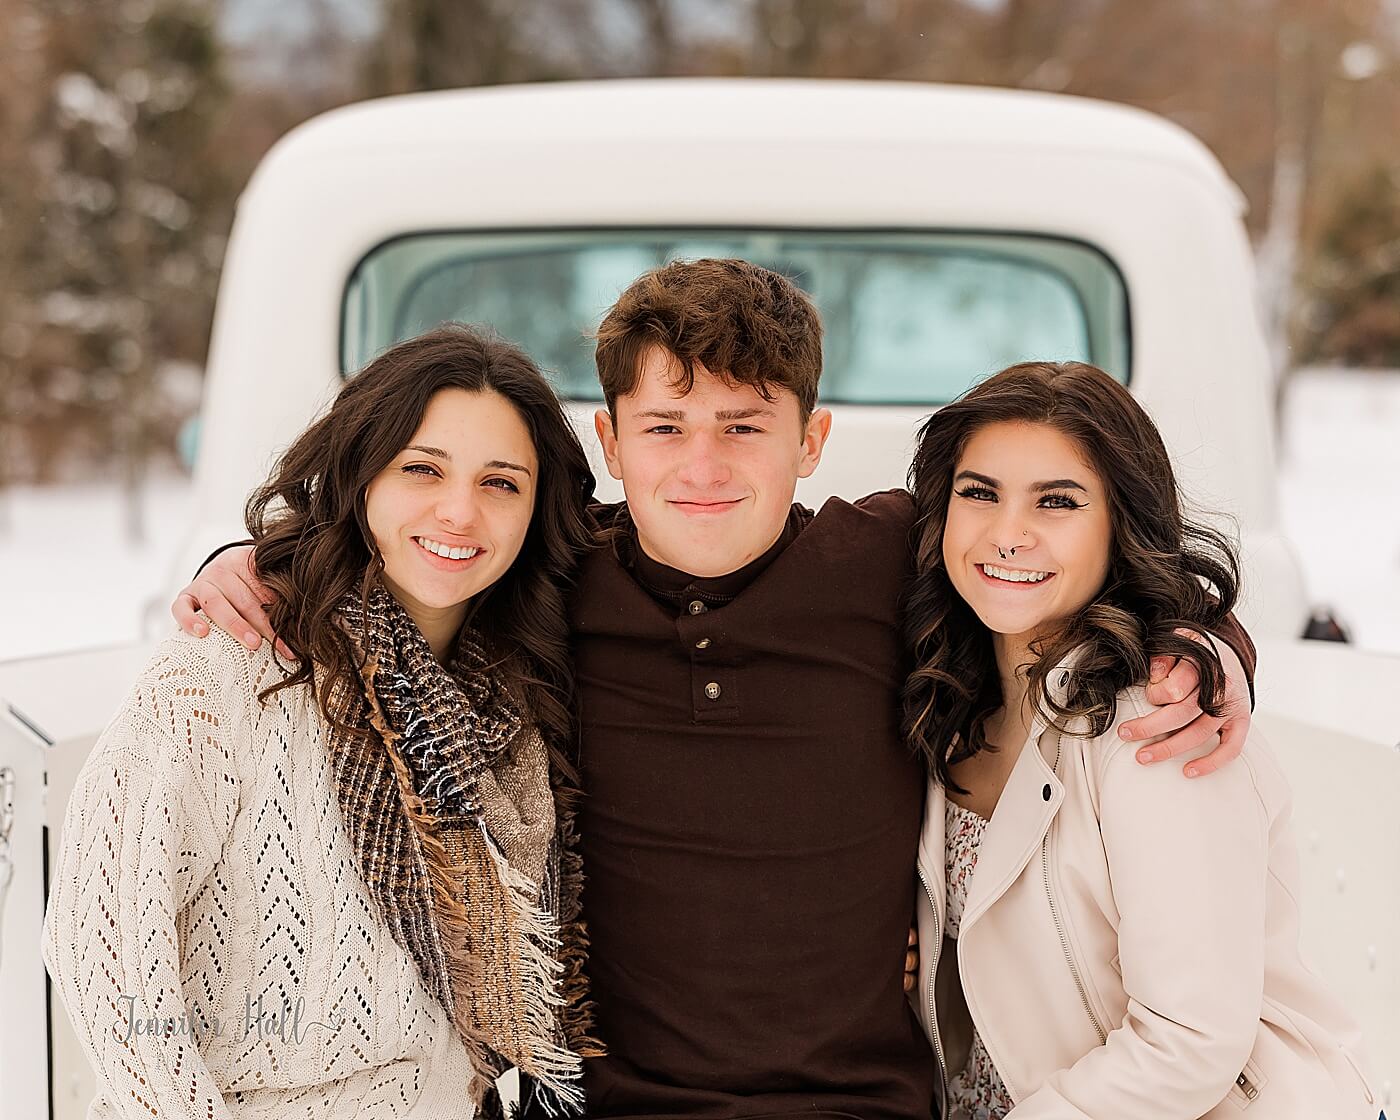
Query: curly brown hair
[1165, 571]
[313, 545]
[746, 324]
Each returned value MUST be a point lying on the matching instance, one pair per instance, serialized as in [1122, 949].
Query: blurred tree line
[128, 126]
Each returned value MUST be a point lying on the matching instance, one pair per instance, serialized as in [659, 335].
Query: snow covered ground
[70, 580]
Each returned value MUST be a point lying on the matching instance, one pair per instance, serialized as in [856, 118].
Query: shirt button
[1045, 793]
[712, 690]
[697, 607]
[703, 643]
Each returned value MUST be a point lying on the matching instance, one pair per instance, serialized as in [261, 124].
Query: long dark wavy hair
[313, 544]
[1164, 572]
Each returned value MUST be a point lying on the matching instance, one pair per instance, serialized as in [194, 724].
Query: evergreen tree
[21, 77]
[132, 202]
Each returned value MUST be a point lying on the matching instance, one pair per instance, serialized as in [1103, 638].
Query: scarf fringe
[576, 1016]
[556, 1070]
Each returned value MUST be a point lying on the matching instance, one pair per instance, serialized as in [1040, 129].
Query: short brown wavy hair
[746, 324]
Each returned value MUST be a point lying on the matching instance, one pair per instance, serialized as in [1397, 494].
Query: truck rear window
[911, 318]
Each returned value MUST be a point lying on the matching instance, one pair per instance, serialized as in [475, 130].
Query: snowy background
[72, 580]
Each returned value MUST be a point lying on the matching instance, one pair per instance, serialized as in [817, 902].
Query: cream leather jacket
[1129, 946]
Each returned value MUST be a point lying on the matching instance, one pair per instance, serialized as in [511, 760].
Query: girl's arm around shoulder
[1187, 866]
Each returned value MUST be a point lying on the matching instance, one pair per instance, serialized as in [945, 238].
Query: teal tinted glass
[911, 318]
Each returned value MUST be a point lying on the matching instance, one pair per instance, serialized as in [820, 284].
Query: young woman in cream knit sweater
[334, 883]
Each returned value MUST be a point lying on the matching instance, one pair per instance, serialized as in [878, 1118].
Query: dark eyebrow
[503, 465]
[493, 465]
[1056, 484]
[743, 413]
[724, 414]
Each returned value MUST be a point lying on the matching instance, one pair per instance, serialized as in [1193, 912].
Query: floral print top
[974, 1092]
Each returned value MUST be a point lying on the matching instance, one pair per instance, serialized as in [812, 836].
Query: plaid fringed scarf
[449, 805]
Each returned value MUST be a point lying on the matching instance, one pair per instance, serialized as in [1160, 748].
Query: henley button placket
[713, 682]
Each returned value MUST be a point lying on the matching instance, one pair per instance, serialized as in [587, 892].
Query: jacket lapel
[1019, 824]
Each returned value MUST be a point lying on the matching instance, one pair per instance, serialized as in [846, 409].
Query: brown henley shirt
[749, 826]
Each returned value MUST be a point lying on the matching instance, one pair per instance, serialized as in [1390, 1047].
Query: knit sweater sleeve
[146, 824]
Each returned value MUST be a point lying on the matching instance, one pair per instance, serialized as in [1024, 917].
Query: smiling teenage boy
[752, 812]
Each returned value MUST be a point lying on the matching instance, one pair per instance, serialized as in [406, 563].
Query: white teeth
[1012, 575]
[437, 548]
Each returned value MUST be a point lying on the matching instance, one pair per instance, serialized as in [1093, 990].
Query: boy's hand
[1174, 685]
[229, 592]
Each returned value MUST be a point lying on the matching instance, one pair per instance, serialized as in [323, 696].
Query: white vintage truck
[944, 232]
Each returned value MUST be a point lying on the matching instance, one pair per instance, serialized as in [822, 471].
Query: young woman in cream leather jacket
[1099, 939]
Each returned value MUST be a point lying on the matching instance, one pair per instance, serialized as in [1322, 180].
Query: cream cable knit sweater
[208, 930]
